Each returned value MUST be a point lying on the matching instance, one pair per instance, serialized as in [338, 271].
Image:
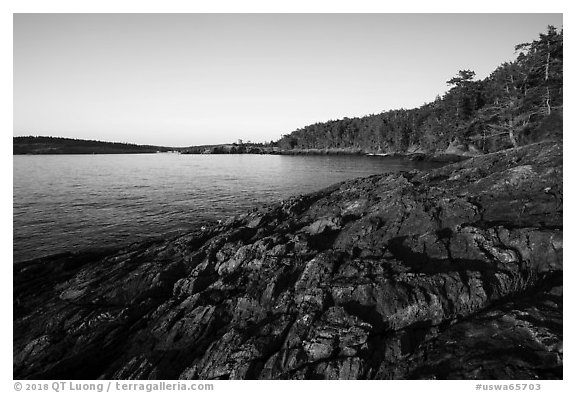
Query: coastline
[59, 146]
[431, 157]
[448, 157]
[403, 264]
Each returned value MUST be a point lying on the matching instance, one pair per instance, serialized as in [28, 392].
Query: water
[70, 202]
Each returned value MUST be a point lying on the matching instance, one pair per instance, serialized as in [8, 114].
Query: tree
[464, 92]
[543, 61]
[464, 77]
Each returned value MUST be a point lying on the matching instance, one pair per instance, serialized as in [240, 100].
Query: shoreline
[432, 157]
[430, 268]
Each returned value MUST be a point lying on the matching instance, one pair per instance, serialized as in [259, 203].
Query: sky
[193, 79]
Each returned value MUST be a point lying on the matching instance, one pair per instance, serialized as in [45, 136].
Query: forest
[519, 103]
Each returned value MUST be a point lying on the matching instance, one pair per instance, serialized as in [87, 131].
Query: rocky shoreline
[447, 157]
[447, 274]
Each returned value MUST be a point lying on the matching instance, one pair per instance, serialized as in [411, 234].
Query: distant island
[55, 145]
[58, 145]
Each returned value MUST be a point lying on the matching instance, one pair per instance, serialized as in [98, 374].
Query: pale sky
[191, 79]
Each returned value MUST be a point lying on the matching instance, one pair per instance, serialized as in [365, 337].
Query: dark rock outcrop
[452, 273]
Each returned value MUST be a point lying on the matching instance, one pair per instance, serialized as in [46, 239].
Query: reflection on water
[70, 202]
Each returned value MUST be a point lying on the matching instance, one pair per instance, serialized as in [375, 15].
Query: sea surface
[72, 202]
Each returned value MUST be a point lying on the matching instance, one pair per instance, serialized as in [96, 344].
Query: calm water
[70, 202]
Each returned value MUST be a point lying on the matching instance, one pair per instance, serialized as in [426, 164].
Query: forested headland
[519, 103]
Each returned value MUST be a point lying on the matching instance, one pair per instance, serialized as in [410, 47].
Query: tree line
[519, 103]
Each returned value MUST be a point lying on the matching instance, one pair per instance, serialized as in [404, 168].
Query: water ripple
[64, 203]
